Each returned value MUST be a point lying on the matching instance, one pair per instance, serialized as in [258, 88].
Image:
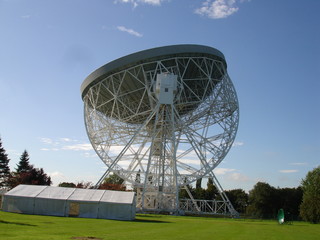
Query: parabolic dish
[130, 82]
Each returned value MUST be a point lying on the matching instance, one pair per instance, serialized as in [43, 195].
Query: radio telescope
[161, 119]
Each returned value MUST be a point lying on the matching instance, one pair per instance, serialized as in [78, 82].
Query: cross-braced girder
[159, 148]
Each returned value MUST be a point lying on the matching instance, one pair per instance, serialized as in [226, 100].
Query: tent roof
[114, 196]
[75, 194]
[26, 190]
[56, 193]
[87, 195]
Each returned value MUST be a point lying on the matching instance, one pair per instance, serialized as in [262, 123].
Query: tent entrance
[74, 209]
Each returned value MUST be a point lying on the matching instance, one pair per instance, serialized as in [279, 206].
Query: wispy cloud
[64, 144]
[57, 177]
[235, 176]
[68, 140]
[130, 31]
[288, 171]
[135, 3]
[231, 174]
[218, 8]
[46, 140]
[56, 174]
[237, 144]
[299, 163]
[26, 16]
[49, 149]
[223, 171]
[88, 154]
[78, 147]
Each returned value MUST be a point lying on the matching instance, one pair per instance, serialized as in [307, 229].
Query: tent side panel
[115, 211]
[133, 208]
[51, 207]
[85, 209]
[18, 204]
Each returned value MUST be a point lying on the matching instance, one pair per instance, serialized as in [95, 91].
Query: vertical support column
[162, 194]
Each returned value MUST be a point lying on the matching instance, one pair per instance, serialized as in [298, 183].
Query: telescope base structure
[208, 207]
[165, 203]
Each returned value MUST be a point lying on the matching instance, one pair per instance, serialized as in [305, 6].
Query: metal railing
[207, 207]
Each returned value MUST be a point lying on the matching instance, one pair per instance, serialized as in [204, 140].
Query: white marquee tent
[75, 202]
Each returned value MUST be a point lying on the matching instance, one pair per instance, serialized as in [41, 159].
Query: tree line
[263, 201]
[24, 173]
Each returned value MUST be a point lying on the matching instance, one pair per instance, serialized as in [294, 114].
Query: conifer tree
[4, 167]
[24, 165]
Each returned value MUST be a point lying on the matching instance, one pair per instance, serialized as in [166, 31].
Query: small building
[73, 202]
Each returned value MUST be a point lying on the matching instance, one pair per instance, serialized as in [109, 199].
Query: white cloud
[60, 144]
[78, 147]
[288, 171]
[45, 149]
[189, 161]
[26, 16]
[56, 174]
[217, 9]
[299, 163]
[152, 2]
[238, 177]
[57, 177]
[67, 140]
[46, 140]
[130, 31]
[49, 149]
[237, 144]
[223, 171]
[135, 3]
[90, 155]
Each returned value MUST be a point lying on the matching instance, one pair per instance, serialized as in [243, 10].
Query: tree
[39, 177]
[239, 199]
[310, 206]
[67, 184]
[262, 201]
[289, 199]
[198, 183]
[114, 179]
[24, 165]
[199, 192]
[183, 194]
[211, 192]
[113, 182]
[4, 167]
[83, 184]
[35, 176]
[28, 174]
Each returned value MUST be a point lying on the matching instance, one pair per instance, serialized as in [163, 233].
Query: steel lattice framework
[159, 148]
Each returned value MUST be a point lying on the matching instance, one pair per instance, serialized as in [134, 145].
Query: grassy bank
[21, 226]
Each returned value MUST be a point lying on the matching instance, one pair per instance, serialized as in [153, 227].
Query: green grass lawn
[21, 226]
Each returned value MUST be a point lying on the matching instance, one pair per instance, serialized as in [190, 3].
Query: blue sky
[48, 47]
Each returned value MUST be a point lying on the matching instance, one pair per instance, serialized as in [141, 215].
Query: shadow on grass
[149, 218]
[150, 221]
[18, 223]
